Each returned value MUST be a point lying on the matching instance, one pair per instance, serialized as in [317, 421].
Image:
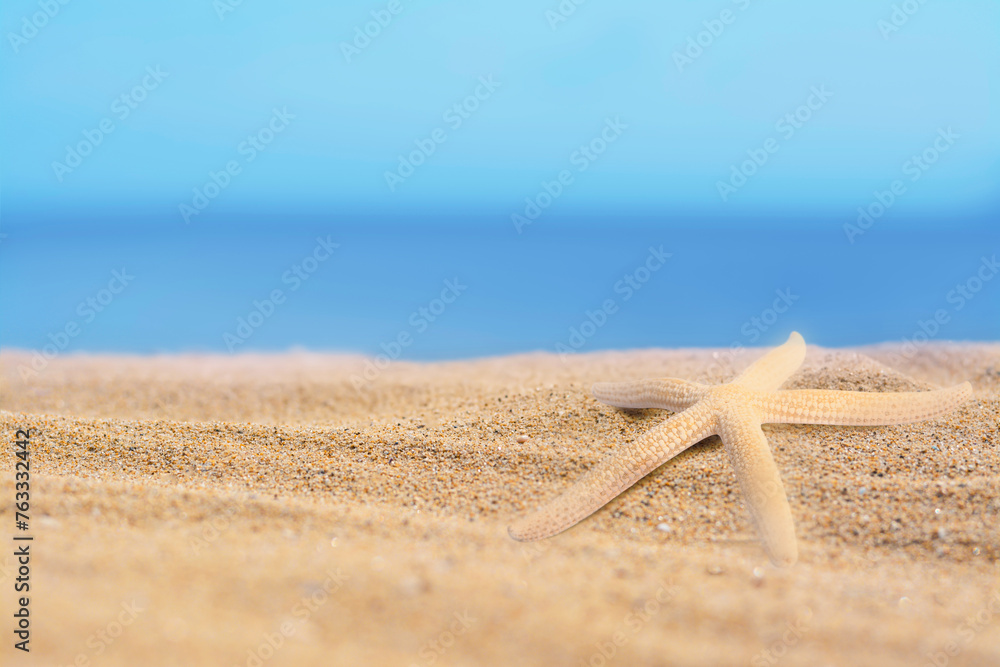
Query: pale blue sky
[890, 96]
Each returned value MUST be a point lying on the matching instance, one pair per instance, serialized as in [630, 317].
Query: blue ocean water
[446, 287]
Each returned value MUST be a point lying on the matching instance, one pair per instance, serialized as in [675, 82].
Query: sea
[447, 287]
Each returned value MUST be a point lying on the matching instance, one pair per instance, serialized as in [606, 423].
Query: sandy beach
[310, 509]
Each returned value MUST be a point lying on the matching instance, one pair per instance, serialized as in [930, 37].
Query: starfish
[734, 411]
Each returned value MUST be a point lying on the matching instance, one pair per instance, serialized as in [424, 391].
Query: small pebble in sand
[664, 527]
[714, 569]
[523, 438]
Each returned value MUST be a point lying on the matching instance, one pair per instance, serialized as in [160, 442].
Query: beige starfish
[734, 411]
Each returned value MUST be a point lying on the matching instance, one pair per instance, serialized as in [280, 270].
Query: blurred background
[437, 180]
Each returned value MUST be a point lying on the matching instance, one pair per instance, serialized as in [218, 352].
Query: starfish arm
[666, 393]
[760, 483]
[857, 408]
[614, 474]
[770, 371]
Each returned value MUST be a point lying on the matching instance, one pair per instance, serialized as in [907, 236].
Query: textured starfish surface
[735, 412]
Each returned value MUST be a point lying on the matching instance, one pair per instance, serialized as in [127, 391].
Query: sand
[263, 510]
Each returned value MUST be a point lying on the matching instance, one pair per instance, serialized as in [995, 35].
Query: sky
[537, 152]
[696, 89]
